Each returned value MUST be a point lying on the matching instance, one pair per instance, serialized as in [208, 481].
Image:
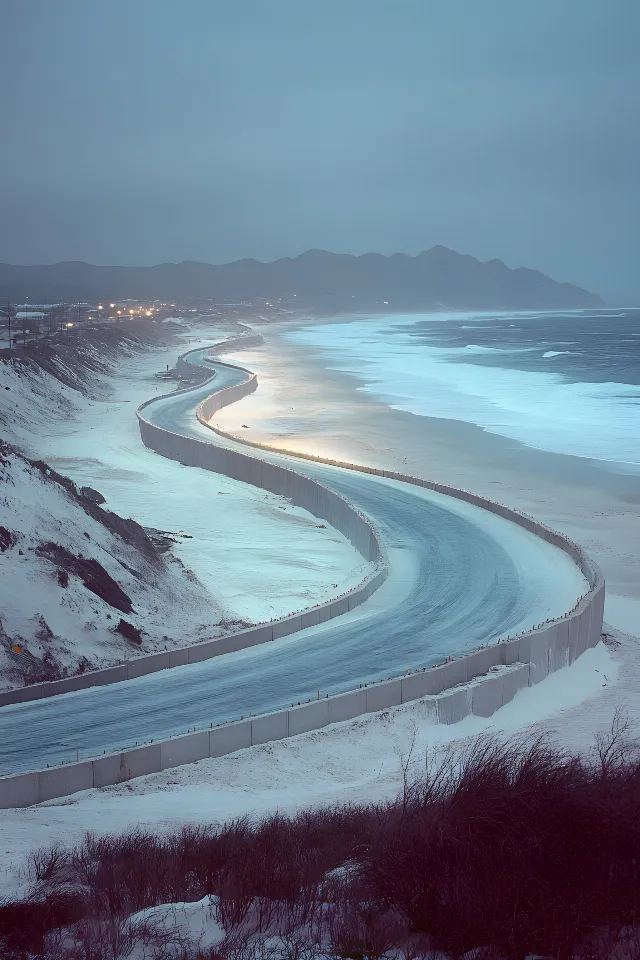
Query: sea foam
[540, 409]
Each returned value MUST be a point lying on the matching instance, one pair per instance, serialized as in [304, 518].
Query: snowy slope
[238, 555]
[71, 572]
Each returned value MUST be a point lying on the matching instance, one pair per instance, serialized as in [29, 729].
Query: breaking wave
[540, 409]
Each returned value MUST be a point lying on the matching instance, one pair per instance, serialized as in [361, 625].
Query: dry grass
[513, 845]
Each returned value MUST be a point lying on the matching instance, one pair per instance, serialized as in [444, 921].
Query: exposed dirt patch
[7, 539]
[130, 632]
[128, 530]
[92, 574]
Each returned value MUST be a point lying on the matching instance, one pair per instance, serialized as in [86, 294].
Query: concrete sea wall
[25, 789]
[478, 683]
[300, 489]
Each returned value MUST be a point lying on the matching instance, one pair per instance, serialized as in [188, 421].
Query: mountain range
[438, 278]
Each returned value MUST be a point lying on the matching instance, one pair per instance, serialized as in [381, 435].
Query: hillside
[436, 278]
[82, 587]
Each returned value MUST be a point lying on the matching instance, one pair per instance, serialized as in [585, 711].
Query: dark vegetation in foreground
[506, 849]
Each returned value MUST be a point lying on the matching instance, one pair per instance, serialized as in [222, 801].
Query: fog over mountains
[436, 278]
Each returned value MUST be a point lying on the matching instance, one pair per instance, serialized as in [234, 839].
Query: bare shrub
[514, 845]
[45, 862]
[25, 925]
[111, 938]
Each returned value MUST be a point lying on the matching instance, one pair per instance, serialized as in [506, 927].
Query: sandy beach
[301, 405]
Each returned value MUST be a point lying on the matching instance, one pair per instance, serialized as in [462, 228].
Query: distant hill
[320, 280]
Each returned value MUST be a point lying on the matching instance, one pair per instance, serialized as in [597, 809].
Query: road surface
[459, 577]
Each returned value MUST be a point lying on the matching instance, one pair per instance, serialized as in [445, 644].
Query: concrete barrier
[179, 657]
[21, 790]
[418, 685]
[65, 780]
[513, 680]
[383, 695]
[324, 612]
[449, 675]
[229, 738]
[479, 682]
[453, 705]
[303, 491]
[204, 651]
[346, 706]
[187, 749]
[558, 635]
[51, 688]
[144, 665]
[338, 607]
[533, 648]
[311, 716]
[597, 612]
[577, 639]
[481, 696]
[109, 770]
[480, 661]
[509, 651]
[486, 695]
[140, 761]
[284, 627]
[271, 726]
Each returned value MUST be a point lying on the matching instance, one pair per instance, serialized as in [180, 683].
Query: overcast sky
[141, 131]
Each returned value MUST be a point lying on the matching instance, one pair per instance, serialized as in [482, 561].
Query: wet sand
[301, 405]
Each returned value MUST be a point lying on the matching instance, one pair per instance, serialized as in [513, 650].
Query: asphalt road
[459, 577]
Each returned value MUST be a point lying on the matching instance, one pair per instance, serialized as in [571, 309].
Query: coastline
[355, 759]
[302, 404]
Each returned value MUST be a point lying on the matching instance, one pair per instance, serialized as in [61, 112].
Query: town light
[69, 324]
[131, 312]
[112, 305]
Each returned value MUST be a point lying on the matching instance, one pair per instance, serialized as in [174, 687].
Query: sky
[144, 131]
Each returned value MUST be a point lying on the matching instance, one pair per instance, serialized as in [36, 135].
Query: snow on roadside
[351, 762]
[258, 556]
[178, 924]
[356, 761]
[70, 572]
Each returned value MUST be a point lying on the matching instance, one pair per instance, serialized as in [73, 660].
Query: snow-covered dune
[237, 555]
[81, 587]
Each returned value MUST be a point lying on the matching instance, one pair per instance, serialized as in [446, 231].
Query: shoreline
[481, 692]
[301, 399]
[277, 557]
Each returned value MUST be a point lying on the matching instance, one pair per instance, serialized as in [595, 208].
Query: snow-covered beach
[325, 388]
[253, 556]
[303, 405]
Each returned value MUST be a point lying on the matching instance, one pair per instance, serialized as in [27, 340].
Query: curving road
[459, 577]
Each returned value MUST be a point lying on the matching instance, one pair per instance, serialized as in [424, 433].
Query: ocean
[564, 382]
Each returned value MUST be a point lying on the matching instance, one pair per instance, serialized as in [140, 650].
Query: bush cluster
[506, 848]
